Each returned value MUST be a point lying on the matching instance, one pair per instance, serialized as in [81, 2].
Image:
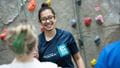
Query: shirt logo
[49, 55]
[63, 51]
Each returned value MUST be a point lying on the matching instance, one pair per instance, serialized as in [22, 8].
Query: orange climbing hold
[31, 5]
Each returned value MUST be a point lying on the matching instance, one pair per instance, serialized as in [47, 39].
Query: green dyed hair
[22, 39]
[18, 43]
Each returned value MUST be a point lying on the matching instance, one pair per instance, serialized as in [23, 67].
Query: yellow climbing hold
[93, 62]
[48, 2]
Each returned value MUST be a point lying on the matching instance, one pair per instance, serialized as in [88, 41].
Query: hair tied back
[44, 5]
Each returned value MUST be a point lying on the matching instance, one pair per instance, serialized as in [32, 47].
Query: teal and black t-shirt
[59, 50]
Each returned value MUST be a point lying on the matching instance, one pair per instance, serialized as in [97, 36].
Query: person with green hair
[24, 44]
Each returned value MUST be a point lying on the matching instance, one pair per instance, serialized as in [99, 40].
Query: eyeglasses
[43, 19]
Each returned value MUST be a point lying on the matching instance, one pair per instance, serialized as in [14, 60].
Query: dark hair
[44, 6]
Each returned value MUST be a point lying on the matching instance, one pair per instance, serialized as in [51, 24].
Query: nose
[48, 21]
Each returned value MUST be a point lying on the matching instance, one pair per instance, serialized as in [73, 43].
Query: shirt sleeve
[72, 45]
[102, 60]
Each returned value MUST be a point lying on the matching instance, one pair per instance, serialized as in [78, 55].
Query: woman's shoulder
[64, 32]
[5, 66]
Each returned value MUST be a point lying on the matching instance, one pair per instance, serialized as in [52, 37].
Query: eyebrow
[48, 16]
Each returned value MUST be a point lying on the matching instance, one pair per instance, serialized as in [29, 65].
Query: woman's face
[48, 20]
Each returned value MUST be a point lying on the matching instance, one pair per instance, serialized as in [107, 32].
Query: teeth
[48, 24]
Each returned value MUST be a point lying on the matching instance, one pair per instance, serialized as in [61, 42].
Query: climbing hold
[78, 2]
[87, 21]
[97, 8]
[80, 43]
[48, 2]
[3, 34]
[97, 40]
[93, 62]
[73, 23]
[31, 5]
[99, 19]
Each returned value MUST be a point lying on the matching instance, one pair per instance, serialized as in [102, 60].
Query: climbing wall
[12, 13]
[96, 35]
[93, 23]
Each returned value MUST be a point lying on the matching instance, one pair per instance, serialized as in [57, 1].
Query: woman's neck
[50, 34]
[24, 58]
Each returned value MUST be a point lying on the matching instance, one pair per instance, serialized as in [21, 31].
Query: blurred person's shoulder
[45, 64]
[49, 65]
[5, 66]
[115, 45]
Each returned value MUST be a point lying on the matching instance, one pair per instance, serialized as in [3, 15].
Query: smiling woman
[47, 18]
[56, 45]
